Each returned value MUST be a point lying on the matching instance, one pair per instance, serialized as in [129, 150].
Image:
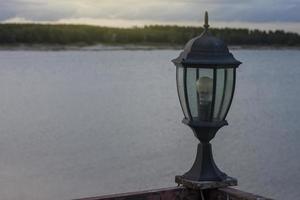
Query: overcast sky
[264, 14]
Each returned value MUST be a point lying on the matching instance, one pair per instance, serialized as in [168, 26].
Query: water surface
[85, 123]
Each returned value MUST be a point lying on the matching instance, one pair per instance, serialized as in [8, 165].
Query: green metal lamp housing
[205, 75]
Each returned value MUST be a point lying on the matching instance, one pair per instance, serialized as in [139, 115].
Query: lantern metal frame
[205, 52]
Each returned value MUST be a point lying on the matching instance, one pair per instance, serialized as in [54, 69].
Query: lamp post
[205, 78]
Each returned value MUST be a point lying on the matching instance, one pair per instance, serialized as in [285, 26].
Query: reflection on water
[76, 124]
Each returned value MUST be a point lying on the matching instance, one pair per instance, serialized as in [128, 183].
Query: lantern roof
[206, 51]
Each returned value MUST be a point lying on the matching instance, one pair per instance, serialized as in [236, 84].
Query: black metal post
[204, 167]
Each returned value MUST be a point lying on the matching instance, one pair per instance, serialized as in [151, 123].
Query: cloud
[170, 11]
[262, 11]
[37, 10]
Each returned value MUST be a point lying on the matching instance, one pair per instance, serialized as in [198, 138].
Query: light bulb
[204, 87]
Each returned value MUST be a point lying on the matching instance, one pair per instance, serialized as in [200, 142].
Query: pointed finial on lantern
[206, 21]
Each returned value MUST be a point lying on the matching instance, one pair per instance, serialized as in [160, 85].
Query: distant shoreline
[101, 47]
[45, 37]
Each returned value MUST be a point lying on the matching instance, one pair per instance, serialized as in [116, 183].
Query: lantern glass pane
[200, 92]
[219, 93]
[191, 90]
[180, 89]
[228, 92]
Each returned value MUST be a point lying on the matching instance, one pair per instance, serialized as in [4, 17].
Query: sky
[261, 14]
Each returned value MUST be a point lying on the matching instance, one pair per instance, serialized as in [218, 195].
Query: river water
[84, 123]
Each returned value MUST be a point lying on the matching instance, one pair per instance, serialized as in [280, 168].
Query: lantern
[206, 76]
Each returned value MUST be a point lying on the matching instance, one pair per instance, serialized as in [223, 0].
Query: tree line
[14, 34]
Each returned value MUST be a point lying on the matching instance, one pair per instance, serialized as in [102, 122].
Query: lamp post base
[203, 185]
[204, 173]
[204, 167]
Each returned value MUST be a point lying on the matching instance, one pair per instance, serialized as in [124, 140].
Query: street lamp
[205, 78]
